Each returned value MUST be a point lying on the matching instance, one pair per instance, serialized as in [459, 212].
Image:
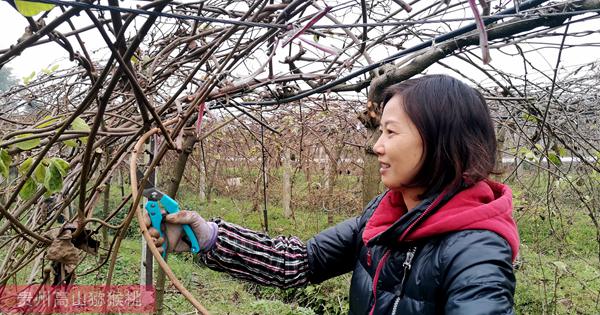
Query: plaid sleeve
[254, 256]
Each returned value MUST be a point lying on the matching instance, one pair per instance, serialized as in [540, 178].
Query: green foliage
[28, 78]
[50, 173]
[78, 125]
[30, 8]
[562, 152]
[53, 179]
[27, 145]
[61, 165]
[529, 117]
[28, 190]
[527, 154]
[50, 70]
[25, 166]
[47, 122]
[554, 159]
[5, 161]
[39, 174]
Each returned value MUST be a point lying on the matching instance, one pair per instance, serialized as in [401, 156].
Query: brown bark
[175, 180]
[370, 177]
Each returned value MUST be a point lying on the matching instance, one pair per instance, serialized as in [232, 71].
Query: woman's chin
[392, 186]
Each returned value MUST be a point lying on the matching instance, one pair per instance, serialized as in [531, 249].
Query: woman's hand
[206, 232]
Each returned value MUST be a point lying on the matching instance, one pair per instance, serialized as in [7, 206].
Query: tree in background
[7, 80]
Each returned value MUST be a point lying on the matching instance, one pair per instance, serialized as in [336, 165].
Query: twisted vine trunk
[175, 181]
[370, 177]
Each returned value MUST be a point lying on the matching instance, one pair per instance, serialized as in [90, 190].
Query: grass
[551, 286]
[558, 268]
[221, 293]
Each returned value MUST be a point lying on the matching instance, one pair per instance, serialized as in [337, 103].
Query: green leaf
[3, 169]
[28, 78]
[27, 144]
[24, 167]
[46, 122]
[62, 165]
[529, 117]
[39, 173]
[71, 143]
[53, 180]
[50, 70]
[554, 159]
[4, 157]
[30, 8]
[562, 152]
[539, 147]
[522, 151]
[530, 156]
[5, 162]
[28, 190]
[79, 125]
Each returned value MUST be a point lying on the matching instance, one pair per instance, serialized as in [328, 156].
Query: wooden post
[286, 198]
[146, 267]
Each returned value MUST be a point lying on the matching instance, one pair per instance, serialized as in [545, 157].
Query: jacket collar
[485, 205]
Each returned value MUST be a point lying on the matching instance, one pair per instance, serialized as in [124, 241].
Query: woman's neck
[411, 196]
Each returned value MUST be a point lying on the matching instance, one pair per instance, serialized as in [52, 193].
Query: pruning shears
[156, 198]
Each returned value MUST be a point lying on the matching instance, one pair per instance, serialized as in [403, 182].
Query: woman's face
[399, 148]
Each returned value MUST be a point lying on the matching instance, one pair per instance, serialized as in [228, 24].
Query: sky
[48, 55]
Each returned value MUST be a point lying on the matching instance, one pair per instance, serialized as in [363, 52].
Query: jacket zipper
[410, 255]
[395, 305]
[376, 279]
[407, 262]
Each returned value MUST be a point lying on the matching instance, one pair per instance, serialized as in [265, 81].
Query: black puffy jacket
[461, 272]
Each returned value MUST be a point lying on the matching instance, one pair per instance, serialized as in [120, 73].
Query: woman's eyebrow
[389, 121]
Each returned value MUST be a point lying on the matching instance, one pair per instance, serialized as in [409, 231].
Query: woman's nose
[378, 147]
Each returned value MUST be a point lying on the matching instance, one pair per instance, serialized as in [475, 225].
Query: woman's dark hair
[456, 129]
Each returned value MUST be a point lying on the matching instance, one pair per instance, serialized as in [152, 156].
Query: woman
[440, 240]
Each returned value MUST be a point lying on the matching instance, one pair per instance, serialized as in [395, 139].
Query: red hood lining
[486, 205]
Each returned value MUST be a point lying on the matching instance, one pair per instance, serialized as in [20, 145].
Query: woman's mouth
[383, 167]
